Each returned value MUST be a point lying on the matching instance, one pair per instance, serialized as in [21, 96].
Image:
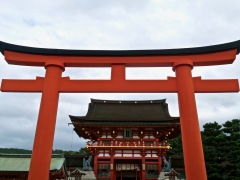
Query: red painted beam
[215, 86]
[130, 86]
[127, 86]
[204, 59]
[15, 85]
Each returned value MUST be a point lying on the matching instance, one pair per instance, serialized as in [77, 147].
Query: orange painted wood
[120, 85]
[191, 137]
[16, 85]
[215, 86]
[44, 135]
[118, 73]
[204, 59]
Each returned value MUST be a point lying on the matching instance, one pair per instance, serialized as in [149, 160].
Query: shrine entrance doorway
[129, 169]
[128, 175]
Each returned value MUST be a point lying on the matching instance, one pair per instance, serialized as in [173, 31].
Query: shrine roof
[21, 162]
[148, 52]
[126, 112]
[78, 171]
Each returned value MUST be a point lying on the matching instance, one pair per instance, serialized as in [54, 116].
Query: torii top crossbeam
[181, 60]
[200, 56]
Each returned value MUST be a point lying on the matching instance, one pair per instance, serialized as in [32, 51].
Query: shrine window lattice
[151, 171]
[104, 170]
[127, 133]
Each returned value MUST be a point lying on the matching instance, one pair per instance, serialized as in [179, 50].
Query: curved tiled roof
[21, 162]
[126, 111]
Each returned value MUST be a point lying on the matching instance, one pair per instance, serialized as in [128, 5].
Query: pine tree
[221, 145]
[214, 140]
[232, 130]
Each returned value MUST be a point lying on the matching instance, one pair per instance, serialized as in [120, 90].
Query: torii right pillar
[191, 137]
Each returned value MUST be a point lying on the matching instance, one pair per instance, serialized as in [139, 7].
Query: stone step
[162, 176]
[89, 175]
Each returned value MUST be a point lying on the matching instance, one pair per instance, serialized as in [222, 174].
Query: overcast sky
[108, 24]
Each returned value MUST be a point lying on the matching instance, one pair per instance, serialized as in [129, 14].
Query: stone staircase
[162, 176]
[89, 175]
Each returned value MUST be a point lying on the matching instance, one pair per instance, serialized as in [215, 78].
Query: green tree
[84, 151]
[222, 149]
[221, 145]
[14, 151]
[176, 147]
[232, 130]
[214, 140]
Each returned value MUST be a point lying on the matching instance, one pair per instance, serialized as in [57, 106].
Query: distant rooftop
[21, 162]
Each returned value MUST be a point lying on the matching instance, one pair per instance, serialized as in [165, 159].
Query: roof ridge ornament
[127, 101]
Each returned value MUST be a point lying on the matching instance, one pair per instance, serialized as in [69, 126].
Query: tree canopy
[56, 151]
[221, 145]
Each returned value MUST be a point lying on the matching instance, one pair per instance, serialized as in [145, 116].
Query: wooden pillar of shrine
[95, 168]
[112, 167]
[159, 164]
[191, 137]
[143, 167]
[43, 142]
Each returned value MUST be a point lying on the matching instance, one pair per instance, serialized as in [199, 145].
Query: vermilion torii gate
[181, 60]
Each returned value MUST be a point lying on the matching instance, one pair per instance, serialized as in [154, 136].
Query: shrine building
[127, 138]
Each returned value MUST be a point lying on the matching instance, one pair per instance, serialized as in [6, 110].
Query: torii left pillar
[44, 134]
